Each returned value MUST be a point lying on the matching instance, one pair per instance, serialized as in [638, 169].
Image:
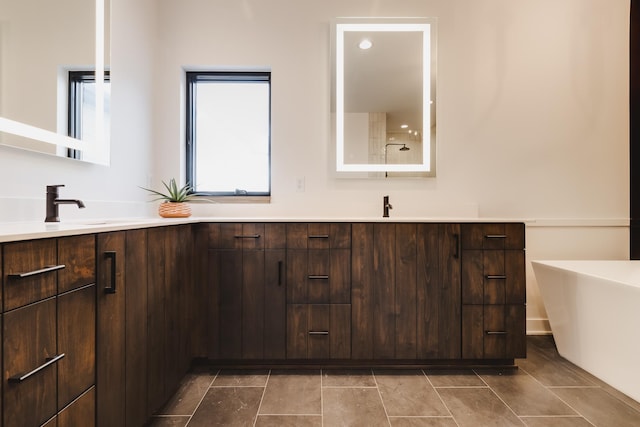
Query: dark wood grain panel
[229, 286]
[472, 332]
[340, 276]
[297, 236]
[319, 323]
[494, 275]
[427, 291]
[24, 257]
[275, 304]
[340, 331]
[362, 291]
[253, 304]
[110, 348]
[384, 302]
[136, 326]
[406, 292]
[319, 280]
[472, 277]
[516, 288]
[78, 254]
[77, 340]
[81, 413]
[495, 336]
[450, 292]
[297, 276]
[29, 339]
[275, 236]
[516, 328]
[297, 331]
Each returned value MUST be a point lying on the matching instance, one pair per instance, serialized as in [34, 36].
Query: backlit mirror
[384, 94]
[40, 43]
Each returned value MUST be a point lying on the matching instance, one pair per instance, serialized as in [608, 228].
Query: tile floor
[547, 391]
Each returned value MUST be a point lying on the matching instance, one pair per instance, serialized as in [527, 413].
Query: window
[82, 107]
[229, 133]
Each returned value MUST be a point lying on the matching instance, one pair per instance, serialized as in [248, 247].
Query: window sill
[231, 199]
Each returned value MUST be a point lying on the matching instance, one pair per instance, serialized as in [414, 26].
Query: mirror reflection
[37, 53]
[384, 83]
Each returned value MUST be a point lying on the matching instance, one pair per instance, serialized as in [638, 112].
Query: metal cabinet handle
[456, 243]
[112, 256]
[496, 276]
[318, 236]
[50, 361]
[247, 236]
[318, 332]
[46, 269]
[318, 276]
[495, 236]
[280, 265]
[496, 332]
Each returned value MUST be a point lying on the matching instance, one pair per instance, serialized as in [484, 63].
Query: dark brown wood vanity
[100, 327]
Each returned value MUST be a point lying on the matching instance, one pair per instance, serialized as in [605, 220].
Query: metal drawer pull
[495, 236]
[318, 236]
[496, 332]
[50, 361]
[280, 264]
[496, 276]
[318, 332]
[318, 276]
[247, 236]
[46, 269]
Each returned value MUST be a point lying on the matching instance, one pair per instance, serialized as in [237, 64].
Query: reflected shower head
[404, 148]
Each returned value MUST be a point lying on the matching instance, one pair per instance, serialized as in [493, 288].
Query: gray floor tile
[523, 394]
[353, 407]
[228, 406]
[478, 407]
[556, 422]
[169, 421]
[289, 421]
[422, 422]
[454, 378]
[599, 407]
[408, 393]
[241, 378]
[192, 389]
[552, 370]
[348, 378]
[292, 392]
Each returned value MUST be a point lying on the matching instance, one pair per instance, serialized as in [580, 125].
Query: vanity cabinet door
[405, 291]
[247, 282]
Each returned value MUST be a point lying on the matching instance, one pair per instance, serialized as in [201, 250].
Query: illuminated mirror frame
[98, 149]
[424, 25]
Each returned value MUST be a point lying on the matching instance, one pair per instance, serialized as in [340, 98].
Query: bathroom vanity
[105, 319]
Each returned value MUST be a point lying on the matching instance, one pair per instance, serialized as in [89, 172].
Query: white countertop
[16, 231]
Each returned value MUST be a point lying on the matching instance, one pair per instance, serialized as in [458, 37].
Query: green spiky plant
[173, 193]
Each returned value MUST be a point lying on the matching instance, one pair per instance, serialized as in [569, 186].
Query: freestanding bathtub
[594, 313]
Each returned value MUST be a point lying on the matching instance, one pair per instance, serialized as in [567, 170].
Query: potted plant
[174, 200]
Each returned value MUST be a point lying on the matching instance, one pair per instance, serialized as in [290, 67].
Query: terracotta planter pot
[174, 210]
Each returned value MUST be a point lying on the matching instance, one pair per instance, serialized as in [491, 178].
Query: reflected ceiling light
[404, 126]
[365, 44]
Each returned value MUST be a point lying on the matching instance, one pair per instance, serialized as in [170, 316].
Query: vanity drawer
[493, 236]
[30, 272]
[319, 276]
[247, 236]
[493, 277]
[318, 236]
[493, 331]
[318, 331]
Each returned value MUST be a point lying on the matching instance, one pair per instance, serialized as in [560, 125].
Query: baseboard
[538, 326]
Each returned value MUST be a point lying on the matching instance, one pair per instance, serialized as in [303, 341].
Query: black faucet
[53, 202]
[385, 207]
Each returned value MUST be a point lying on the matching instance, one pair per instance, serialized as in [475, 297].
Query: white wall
[532, 113]
[106, 191]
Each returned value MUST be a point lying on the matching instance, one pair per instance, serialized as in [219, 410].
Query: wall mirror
[40, 42]
[384, 95]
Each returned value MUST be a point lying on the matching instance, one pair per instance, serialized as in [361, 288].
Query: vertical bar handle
[456, 242]
[280, 265]
[111, 289]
